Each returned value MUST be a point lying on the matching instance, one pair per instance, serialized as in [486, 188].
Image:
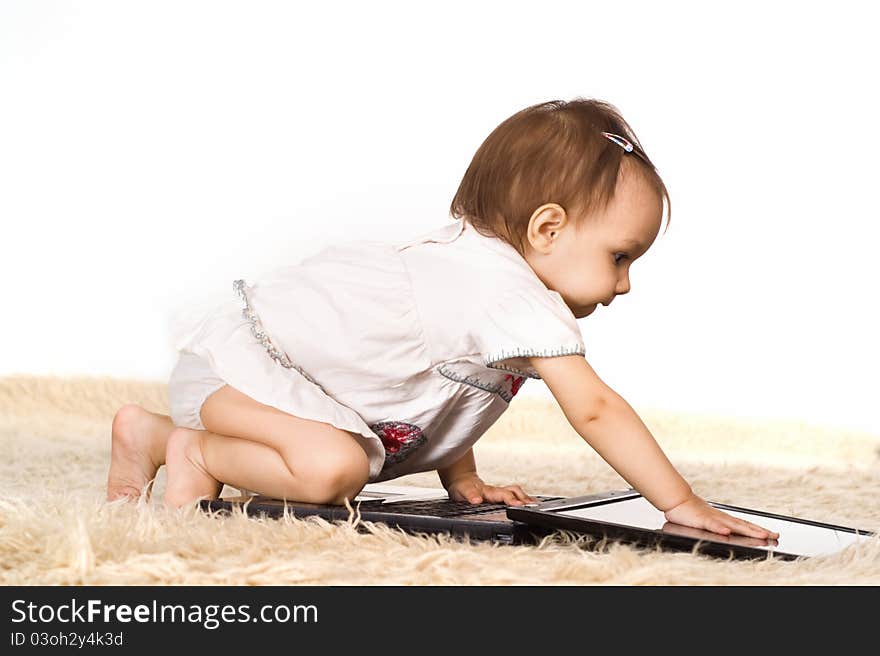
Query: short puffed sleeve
[527, 322]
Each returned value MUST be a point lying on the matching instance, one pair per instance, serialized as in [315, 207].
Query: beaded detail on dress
[506, 389]
[492, 360]
[400, 440]
[258, 332]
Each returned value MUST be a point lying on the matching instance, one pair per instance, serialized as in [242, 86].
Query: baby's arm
[464, 466]
[463, 484]
[610, 425]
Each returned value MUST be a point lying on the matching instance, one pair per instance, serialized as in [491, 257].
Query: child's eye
[622, 256]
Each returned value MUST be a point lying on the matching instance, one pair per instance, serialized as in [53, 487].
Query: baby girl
[372, 360]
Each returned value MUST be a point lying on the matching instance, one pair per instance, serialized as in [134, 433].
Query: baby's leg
[137, 450]
[190, 477]
[258, 447]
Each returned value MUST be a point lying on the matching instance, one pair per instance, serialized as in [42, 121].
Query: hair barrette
[620, 141]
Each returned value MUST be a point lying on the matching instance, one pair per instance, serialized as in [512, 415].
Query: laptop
[410, 508]
[615, 515]
[630, 518]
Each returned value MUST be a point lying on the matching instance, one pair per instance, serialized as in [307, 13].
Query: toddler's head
[579, 205]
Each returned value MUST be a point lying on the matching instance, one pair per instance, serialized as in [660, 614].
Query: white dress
[416, 346]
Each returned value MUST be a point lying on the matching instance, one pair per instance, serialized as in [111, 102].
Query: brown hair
[552, 152]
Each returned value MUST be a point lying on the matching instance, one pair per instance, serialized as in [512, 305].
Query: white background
[151, 153]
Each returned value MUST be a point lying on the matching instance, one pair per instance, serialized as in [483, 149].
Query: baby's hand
[472, 488]
[696, 513]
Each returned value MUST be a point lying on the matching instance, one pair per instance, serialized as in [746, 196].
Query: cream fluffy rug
[56, 528]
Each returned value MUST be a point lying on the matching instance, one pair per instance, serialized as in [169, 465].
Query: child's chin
[585, 312]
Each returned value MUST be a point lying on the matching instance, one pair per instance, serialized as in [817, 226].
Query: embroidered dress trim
[490, 360]
[475, 382]
[258, 332]
[400, 440]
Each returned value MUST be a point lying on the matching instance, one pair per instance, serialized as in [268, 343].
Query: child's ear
[544, 226]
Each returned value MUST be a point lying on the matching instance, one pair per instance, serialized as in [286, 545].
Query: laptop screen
[794, 537]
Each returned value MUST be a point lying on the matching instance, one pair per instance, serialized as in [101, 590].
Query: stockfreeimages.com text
[210, 616]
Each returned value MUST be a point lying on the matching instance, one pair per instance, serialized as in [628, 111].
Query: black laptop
[616, 515]
[629, 517]
[412, 509]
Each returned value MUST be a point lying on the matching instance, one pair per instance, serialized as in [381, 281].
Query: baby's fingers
[522, 496]
[502, 495]
[467, 491]
[742, 527]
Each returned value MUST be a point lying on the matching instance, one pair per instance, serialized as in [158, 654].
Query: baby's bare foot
[137, 451]
[187, 478]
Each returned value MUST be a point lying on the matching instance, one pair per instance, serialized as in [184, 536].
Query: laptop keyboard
[442, 507]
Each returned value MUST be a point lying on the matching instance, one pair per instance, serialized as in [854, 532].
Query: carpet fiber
[56, 528]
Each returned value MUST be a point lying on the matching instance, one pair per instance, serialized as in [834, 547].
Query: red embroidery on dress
[516, 384]
[399, 438]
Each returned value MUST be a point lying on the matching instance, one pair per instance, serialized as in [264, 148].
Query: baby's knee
[332, 480]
